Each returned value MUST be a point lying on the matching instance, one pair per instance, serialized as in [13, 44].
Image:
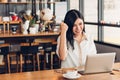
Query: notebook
[99, 63]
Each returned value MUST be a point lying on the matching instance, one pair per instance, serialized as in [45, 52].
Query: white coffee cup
[32, 30]
[71, 73]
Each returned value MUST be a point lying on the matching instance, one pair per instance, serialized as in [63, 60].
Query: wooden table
[53, 75]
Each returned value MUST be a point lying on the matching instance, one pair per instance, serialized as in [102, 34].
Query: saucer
[71, 77]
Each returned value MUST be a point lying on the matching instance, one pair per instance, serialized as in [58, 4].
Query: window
[60, 11]
[90, 15]
[112, 16]
[112, 35]
[74, 4]
[90, 10]
[92, 30]
[109, 13]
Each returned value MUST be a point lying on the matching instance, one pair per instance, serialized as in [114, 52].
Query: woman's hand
[63, 27]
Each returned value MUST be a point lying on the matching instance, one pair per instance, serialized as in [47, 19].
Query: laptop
[98, 63]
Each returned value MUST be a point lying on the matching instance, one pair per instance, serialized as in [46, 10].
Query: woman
[73, 44]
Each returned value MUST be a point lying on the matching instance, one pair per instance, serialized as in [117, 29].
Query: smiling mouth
[77, 31]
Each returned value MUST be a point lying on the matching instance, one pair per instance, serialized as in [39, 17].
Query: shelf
[3, 2]
[15, 22]
[10, 22]
[6, 25]
[18, 2]
[19, 6]
[26, 2]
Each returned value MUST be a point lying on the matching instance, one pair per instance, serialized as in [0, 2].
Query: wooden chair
[40, 53]
[13, 56]
[46, 50]
[9, 51]
[55, 61]
[47, 54]
[28, 49]
[4, 50]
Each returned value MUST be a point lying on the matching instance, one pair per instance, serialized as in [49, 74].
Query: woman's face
[78, 27]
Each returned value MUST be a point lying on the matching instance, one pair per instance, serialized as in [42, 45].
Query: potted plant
[26, 17]
[32, 26]
[29, 22]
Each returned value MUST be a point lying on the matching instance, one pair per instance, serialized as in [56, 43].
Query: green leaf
[32, 22]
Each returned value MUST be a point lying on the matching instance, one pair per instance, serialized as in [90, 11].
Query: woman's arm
[63, 44]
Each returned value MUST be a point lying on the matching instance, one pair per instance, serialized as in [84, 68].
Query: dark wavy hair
[70, 18]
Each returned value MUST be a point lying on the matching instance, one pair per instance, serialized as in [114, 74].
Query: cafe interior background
[18, 18]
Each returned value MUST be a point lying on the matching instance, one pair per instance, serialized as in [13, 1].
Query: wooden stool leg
[38, 61]
[51, 60]
[8, 62]
[52, 57]
[5, 63]
[17, 62]
[45, 60]
[21, 62]
[34, 62]
[41, 52]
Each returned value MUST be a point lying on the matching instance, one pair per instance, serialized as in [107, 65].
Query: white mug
[32, 30]
[71, 73]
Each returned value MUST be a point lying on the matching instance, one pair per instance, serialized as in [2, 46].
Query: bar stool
[52, 59]
[14, 52]
[40, 53]
[47, 54]
[28, 49]
[55, 61]
[4, 50]
[45, 49]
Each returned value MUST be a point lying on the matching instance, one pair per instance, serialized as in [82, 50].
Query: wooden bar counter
[53, 75]
[20, 35]
[11, 38]
[26, 39]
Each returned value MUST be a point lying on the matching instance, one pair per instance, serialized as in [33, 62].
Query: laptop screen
[97, 63]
